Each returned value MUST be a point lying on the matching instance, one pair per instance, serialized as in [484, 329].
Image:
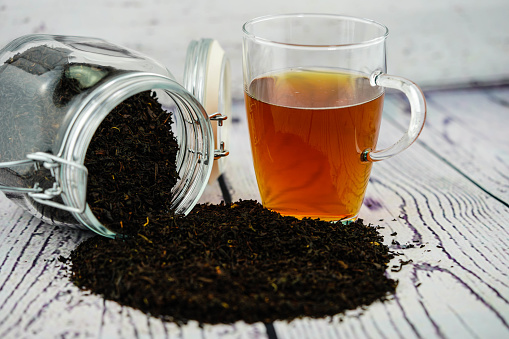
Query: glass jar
[46, 132]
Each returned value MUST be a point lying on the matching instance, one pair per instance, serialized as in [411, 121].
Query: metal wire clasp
[46, 196]
[221, 152]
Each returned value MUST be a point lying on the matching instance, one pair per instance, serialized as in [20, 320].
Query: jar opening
[173, 109]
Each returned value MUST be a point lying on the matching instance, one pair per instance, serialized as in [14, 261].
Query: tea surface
[308, 129]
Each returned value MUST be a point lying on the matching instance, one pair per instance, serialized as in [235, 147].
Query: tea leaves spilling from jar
[131, 159]
[131, 162]
[229, 262]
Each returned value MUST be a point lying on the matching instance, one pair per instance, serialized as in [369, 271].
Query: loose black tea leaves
[131, 162]
[240, 261]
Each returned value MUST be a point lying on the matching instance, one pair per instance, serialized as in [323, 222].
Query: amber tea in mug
[314, 106]
[306, 127]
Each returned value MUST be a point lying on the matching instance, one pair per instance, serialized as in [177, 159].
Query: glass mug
[314, 90]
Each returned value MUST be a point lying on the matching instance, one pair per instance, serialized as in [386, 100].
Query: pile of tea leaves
[241, 261]
[131, 162]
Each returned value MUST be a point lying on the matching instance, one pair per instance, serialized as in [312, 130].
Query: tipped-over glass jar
[46, 129]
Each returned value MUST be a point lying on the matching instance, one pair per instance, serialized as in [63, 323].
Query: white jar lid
[207, 77]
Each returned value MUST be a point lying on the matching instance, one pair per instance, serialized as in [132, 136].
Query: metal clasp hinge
[221, 152]
[45, 196]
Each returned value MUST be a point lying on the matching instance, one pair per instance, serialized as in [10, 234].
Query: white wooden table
[448, 192]
[447, 198]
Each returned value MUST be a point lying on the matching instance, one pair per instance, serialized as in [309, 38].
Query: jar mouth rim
[97, 104]
[249, 31]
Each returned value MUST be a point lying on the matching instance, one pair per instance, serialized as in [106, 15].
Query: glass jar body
[54, 93]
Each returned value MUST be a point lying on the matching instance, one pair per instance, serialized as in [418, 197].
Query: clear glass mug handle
[417, 114]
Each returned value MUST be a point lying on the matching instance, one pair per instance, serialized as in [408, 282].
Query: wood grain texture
[441, 204]
[465, 130]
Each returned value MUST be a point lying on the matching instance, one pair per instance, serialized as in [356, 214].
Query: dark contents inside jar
[132, 165]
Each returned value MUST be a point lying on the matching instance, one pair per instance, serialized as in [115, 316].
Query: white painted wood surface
[448, 192]
[447, 196]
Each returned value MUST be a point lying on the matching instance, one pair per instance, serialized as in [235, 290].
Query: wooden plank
[466, 129]
[462, 265]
